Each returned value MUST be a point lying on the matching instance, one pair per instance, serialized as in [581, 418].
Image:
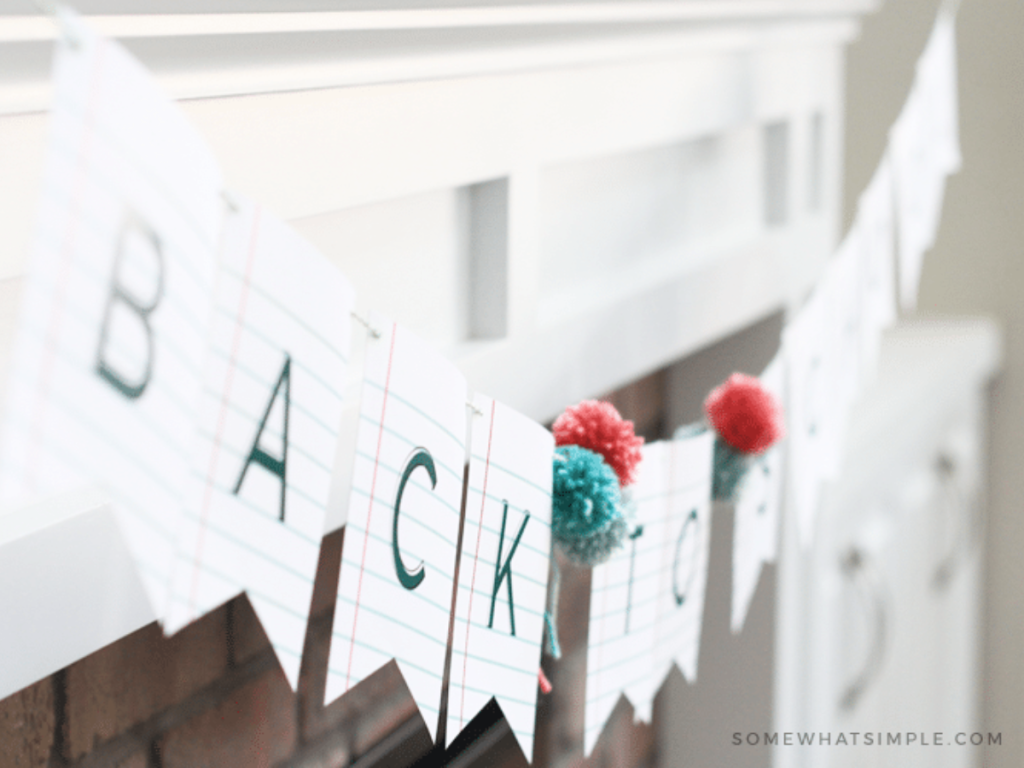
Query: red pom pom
[598, 427]
[745, 414]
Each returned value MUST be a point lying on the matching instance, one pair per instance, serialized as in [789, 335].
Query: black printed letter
[420, 458]
[505, 571]
[273, 465]
[123, 296]
[680, 595]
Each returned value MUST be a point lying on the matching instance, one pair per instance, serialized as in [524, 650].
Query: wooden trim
[200, 56]
[147, 25]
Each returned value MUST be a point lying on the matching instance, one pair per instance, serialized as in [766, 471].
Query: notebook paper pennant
[683, 567]
[937, 73]
[756, 528]
[268, 424]
[919, 190]
[848, 275]
[107, 364]
[805, 346]
[503, 572]
[875, 226]
[398, 560]
[623, 608]
[838, 380]
[924, 145]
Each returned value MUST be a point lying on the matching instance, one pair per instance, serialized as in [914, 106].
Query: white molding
[348, 123]
[70, 586]
[147, 25]
[201, 56]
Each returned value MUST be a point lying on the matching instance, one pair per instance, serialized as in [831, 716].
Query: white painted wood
[69, 586]
[888, 503]
[625, 140]
[157, 23]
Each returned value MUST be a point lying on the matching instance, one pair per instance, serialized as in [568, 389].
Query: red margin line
[369, 512]
[476, 560]
[218, 435]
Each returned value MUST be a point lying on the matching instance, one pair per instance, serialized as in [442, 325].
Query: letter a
[119, 294]
[270, 463]
[504, 572]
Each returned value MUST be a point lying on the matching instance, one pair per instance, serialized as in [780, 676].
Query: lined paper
[267, 430]
[623, 604]
[413, 409]
[107, 364]
[874, 229]
[683, 567]
[756, 527]
[503, 571]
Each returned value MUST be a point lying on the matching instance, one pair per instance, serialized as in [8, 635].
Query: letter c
[420, 458]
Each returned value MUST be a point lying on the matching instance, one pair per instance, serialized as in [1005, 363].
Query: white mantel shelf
[613, 169]
[214, 54]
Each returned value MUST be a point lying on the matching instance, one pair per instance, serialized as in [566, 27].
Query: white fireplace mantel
[561, 197]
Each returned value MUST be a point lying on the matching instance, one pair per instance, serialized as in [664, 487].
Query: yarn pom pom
[587, 520]
[598, 427]
[744, 414]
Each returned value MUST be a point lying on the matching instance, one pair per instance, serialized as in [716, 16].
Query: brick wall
[213, 696]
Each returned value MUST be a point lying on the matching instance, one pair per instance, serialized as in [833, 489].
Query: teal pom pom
[731, 467]
[587, 516]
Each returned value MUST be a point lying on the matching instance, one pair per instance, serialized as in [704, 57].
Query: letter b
[131, 386]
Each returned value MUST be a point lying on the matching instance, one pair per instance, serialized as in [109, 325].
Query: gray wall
[976, 267]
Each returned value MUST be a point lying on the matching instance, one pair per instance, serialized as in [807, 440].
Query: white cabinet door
[879, 622]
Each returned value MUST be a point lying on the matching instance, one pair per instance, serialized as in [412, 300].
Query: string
[51, 11]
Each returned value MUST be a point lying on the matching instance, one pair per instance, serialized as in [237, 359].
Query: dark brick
[325, 588]
[136, 760]
[367, 712]
[375, 708]
[254, 727]
[131, 680]
[248, 639]
[573, 605]
[27, 726]
[623, 741]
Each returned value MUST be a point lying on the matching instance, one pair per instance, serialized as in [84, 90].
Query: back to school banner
[184, 350]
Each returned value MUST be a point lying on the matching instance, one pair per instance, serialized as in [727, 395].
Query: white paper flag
[398, 560]
[937, 73]
[756, 520]
[849, 276]
[107, 364]
[918, 193]
[925, 148]
[875, 227]
[267, 430]
[840, 296]
[683, 567]
[804, 345]
[503, 571]
[623, 605]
